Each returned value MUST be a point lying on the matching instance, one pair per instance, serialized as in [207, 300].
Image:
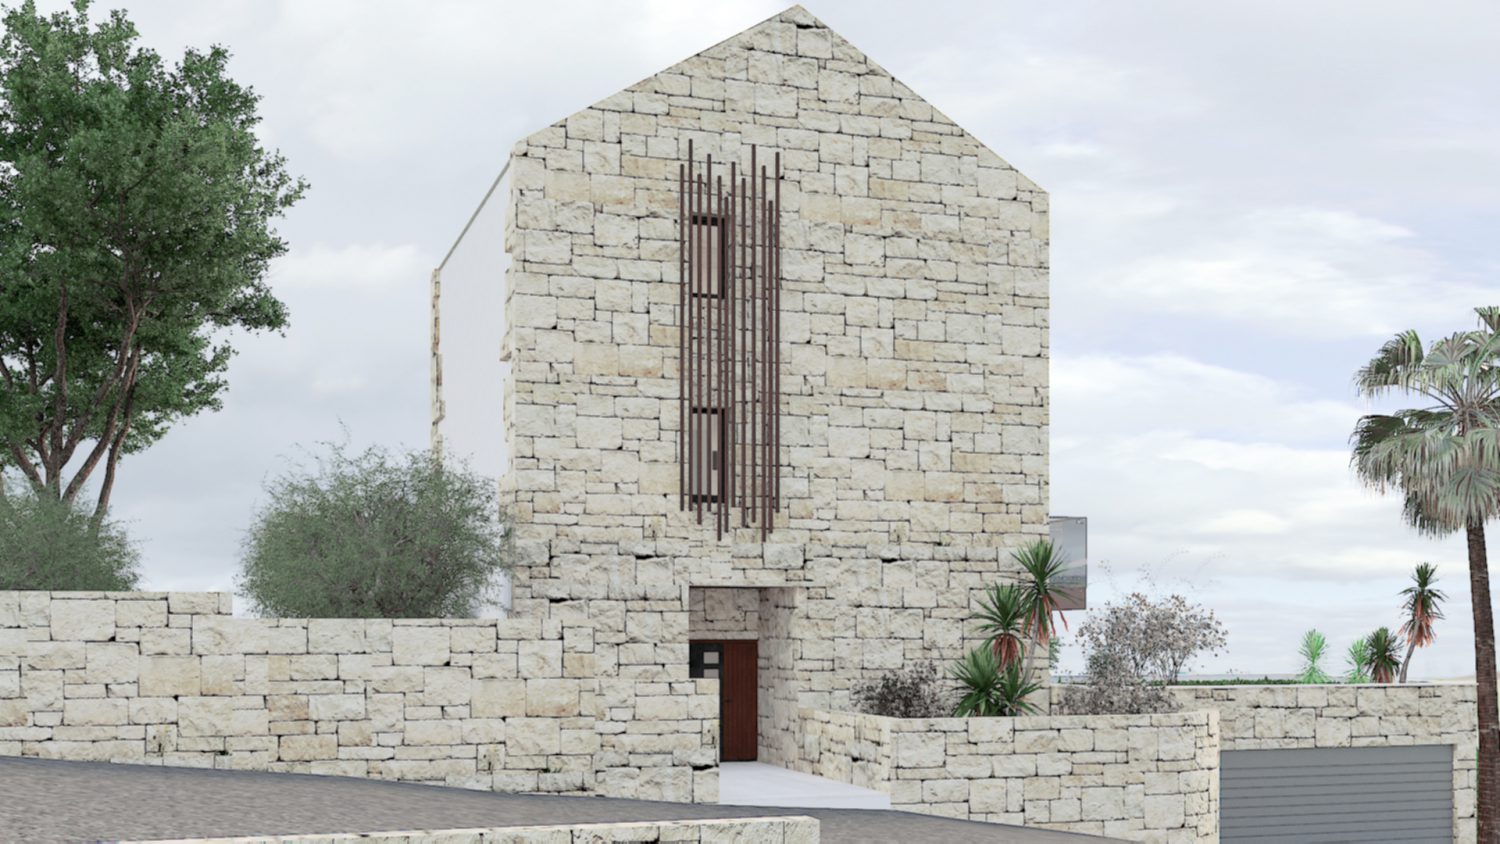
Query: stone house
[908, 371]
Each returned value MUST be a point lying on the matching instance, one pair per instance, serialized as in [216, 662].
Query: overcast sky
[1247, 200]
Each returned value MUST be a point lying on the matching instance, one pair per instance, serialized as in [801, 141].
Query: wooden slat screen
[730, 340]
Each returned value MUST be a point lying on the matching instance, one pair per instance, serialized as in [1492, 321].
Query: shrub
[375, 535]
[987, 689]
[1135, 648]
[913, 692]
[53, 545]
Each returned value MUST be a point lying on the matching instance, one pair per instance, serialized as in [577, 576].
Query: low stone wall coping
[778, 829]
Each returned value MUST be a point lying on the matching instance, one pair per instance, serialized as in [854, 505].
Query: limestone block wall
[914, 341]
[509, 705]
[1270, 717]
[1138, 777]
[724, 613]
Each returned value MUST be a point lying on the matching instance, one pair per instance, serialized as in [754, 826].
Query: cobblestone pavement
[47, 800]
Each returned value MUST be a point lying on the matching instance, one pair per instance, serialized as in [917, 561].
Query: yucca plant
[1002, 617]
[1443, 459]
[1384, 656]
[1359, 661]
[1041, 564]
[1423, 607]
[1314, 646]
[989, 690]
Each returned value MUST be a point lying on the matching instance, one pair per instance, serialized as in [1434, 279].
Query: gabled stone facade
[914, 378]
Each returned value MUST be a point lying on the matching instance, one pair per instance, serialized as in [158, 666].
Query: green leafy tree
[987, 689]
[1314, 646]
[1423, 608]
[375, 535]
[1443, 458]
[1384, 655]
[135, 230]
[53, 545]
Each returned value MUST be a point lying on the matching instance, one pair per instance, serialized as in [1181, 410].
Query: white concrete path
[758, 784]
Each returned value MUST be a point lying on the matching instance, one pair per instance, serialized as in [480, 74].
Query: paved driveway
[45, 800]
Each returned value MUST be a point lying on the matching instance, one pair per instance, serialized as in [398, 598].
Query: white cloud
[1307, 271]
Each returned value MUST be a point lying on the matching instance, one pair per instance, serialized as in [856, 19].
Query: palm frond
[988, 690]
[1423, 606]
[1359, 661]
[1384, 657]
[1392, 366]
[1489, 317]
[1313, 646]
[1002, 616]
[1041, 564]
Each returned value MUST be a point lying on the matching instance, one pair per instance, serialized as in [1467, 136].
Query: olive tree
[375, 535]
[54, 545]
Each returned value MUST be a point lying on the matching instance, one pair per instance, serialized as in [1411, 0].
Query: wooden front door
[733, 663]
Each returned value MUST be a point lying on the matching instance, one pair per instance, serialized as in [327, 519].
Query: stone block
[111, 662]
[412, 645]
[146, 613]
[307, 748]
[533, 736]
[497, 698]
[83, 621]
[169, 676]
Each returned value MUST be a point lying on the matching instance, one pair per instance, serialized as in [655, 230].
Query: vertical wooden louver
[730, 341]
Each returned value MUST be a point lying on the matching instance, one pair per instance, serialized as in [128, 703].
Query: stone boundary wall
[172, 679]
[791, 829]
[1138, 777]
[1287, 716]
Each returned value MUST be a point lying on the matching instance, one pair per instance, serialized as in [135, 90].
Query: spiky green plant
[1443, 459]
[989, 690]
[1314, 647]
[1423, 607]
[1041, 564]
[1359, 661]
[1002, 616]
[1385, 655]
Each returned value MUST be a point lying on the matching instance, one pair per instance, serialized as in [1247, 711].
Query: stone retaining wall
[1140, 777]
[171, 678]
[792, 829]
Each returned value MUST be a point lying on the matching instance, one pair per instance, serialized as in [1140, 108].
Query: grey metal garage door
[1337, 794]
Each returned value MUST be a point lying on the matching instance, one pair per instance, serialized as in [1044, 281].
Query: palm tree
[1423, 607]
[1003, 612]
[1314, 645]
[1041, 564]
[1384, 655]
[1359, 661]
[1444, 460]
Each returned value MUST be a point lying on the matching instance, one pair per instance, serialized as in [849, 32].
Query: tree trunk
[1411, 645]
[1488, 809]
